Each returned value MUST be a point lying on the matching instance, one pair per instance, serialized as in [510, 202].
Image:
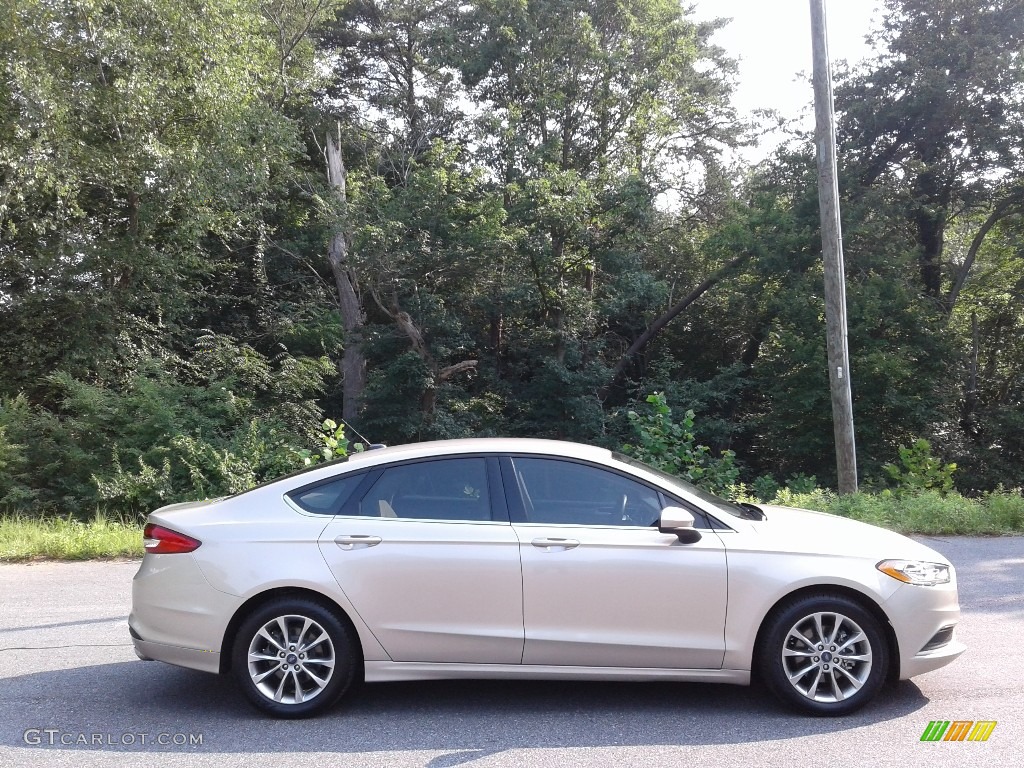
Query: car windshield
[686, 488]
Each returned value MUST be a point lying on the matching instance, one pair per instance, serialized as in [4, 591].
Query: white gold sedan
[514, 558]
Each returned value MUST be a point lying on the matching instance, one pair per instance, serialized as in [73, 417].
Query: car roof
[434, 448]
[478, 445]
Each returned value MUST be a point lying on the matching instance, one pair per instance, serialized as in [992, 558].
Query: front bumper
[917, 614]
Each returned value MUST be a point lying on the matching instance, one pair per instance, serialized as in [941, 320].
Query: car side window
[445, 489]
[326, 498]
[563, 492]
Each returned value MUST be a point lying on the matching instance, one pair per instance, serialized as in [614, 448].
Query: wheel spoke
[329, 663]
[284, 630]
[821, 630]
[851, 641]
[837, 623]
[813, 689]
[795, 632]
[280, 688]
[306, 624]
[257, 678]
[298, 686]
[856, 657]
[836, 690]
[802, 672]
[798, 654]
[320, 681]
[263, 657]
[270, 638]
[305, 648]
[853, 680]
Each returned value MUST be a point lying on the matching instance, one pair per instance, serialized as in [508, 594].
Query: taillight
[163, 541]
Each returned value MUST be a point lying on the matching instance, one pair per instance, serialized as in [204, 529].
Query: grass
[925, 512]
[26, 538]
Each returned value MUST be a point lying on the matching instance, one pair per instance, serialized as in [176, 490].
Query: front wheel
[825, 655]
[294, 658]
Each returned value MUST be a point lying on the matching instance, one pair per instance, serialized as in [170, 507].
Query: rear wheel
[294, 658]
[825, 655]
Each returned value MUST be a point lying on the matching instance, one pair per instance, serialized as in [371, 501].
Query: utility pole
[832, 251]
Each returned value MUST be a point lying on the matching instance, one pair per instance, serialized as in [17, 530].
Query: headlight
[915, 572]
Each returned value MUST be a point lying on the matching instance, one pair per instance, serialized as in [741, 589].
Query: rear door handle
[555, 544]
[357, 541]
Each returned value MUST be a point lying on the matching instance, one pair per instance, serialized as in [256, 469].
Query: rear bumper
[204, 661]
[177, 617]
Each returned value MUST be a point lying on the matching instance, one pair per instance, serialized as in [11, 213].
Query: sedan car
[519, 558]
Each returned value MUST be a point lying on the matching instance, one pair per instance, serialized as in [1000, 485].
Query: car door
[428, 559]
[601, 585]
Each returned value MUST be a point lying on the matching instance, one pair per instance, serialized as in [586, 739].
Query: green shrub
[866, 507]
[820, 499]
[801, 483]
[670, 446]
[919, 470]
[932, 512]
[223, 420]
[334, 444]
[1006, 509]
[764, 488]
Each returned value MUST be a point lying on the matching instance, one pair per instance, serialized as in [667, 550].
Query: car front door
[601, 585]
[430, 562]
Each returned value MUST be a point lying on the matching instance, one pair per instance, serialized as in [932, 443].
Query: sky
[772, 41]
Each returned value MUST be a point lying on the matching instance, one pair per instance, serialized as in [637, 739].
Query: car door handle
[555, 544]
[357, 541]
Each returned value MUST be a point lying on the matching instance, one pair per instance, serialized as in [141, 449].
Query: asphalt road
[72, 693]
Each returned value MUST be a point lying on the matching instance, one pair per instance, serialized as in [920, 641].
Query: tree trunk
[1010, 204]
[438, 375]
[929, 218]
[967, 419]
[353, 362]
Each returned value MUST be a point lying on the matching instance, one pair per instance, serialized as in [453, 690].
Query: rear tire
[824, 655]
[294, 657]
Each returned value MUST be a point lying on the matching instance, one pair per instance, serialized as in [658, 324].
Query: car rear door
[428, 559]
[601, 585]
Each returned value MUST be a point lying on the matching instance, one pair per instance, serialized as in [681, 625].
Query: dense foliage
[532, 223]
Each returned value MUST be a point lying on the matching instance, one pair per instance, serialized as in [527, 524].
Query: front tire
[824, 655]
[294, 658]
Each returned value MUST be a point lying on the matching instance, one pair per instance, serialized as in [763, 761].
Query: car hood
[803, 530]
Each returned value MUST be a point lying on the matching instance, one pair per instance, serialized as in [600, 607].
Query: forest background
[223, 222]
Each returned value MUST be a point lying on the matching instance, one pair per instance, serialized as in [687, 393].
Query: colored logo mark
[958, 730]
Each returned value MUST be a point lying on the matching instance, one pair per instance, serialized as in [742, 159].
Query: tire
[803, 640]
[293, 657]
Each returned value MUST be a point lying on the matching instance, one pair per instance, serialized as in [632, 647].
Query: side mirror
[678, 521]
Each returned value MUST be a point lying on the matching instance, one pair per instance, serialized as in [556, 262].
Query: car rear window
[326, 498]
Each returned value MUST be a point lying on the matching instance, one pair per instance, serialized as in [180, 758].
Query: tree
[139, 183]
[929, 119]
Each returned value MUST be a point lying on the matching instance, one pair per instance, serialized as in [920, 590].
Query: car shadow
[464, 720]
